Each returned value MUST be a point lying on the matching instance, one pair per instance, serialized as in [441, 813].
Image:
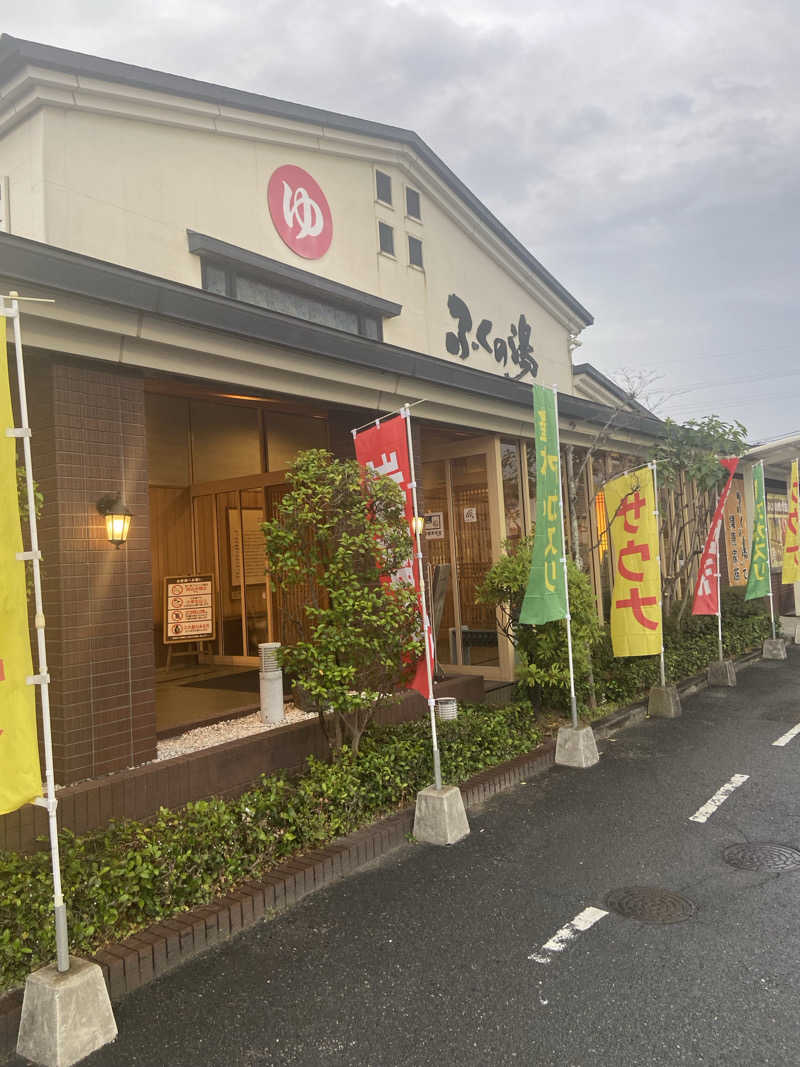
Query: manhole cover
[750, 856]
[650, 904]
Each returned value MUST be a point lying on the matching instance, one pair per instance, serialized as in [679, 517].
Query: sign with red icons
[300, 211]
[189, 608]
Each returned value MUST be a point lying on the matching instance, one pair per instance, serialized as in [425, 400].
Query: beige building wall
[126, 189]
[21, 160]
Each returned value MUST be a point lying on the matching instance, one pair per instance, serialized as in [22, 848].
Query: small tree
[543, 666]
[689, 467]
[342, 534]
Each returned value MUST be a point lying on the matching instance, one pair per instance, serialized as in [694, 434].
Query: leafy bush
[687, 652]
[340, 537]
[132, 874]
[542, 662]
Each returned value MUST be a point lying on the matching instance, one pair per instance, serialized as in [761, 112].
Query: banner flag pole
[657, 512]
[42, 679]
[719, 594]
[423, 596]
[769, 554]
[573, 703]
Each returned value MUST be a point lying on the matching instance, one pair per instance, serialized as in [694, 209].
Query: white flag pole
[573, 703]
[719, 592]
[654, 468]
[42, 679]
[426, 626]
[769, 560]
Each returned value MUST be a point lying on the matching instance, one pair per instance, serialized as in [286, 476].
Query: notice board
[189, 608]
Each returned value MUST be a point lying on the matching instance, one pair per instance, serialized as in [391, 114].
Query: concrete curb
[159, 948]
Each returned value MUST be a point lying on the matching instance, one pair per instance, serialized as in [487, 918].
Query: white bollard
[270, 679]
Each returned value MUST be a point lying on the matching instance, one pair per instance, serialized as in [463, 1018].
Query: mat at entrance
[241, 682]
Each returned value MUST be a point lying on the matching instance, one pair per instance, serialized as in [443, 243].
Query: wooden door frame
[489, 446]
[253, 482]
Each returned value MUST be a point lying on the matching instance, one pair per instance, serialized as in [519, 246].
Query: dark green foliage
[692, 449]
[132, 874]
[542, 663]
[687, 652]
[340, 535]
[689, 469]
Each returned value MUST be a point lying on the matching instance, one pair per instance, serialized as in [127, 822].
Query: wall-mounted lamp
[418, 524]
[118, 518]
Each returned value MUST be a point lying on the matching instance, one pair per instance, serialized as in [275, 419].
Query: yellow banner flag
[636, 599]
[20, 775]
[791, 545]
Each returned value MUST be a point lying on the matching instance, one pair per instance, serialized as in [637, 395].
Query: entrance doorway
[229, 543]
[464, 530]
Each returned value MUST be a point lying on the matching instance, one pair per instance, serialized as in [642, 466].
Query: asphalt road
[425, 957]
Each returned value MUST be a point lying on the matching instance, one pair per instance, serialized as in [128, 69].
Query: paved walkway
[502, 949]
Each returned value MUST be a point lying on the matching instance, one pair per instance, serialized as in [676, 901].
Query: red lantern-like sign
[300, 211]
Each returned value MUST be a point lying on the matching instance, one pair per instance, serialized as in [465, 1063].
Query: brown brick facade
[88, 441]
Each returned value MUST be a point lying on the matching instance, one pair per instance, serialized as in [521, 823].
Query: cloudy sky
[647, 153]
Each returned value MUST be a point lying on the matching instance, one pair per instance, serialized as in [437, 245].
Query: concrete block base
[797, 635]
[65, 1016]
[774, 648]
[664, 702]
[576, 747]
[440, 818]
[722, 673]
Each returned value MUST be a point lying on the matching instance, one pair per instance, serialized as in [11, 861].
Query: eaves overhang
[16, 54]
[287, 276]
[31, 262]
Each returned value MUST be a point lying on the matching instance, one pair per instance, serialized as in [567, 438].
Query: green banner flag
[758, 578]
[546, 595]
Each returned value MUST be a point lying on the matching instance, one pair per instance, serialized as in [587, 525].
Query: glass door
[229, 543]
[462, 487]
[475, 639]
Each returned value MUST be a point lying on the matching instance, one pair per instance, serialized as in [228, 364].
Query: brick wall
[227, 769]
[89, 441]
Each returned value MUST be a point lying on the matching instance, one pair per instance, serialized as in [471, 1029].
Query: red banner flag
[384, 448]
[706, 592]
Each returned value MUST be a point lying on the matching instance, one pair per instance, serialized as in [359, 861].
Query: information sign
[189, 608]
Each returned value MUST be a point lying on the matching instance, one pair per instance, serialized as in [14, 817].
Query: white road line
[787, 737]
[721, 795]
[561, 938]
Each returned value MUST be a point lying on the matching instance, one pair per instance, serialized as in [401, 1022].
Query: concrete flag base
[774, 648]
[797, 635]
[722, 673]
[576, 747]
[440, 818]
[664, 702]
[65, 1016]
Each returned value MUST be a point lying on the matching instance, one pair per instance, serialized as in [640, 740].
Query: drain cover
[750, 856]
[650, 904]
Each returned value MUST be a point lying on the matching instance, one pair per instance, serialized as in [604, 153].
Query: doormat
[241, 682]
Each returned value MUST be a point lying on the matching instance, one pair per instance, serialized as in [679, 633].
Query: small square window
[413, 209]
[383, 187]
[386, 238]
[415, 252]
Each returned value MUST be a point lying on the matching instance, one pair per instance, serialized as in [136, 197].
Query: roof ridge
[16, 51]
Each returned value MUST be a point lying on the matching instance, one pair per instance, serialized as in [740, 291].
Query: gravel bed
[219, 732]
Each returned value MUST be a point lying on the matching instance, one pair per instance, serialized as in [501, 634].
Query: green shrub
[340, 537]
[745, 624]
[132, 874]
[542, 662]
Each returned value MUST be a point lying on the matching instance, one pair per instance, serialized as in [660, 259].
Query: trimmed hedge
[744, 627]
[132, 874]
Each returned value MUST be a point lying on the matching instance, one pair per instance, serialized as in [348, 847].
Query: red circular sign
[300, 211]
